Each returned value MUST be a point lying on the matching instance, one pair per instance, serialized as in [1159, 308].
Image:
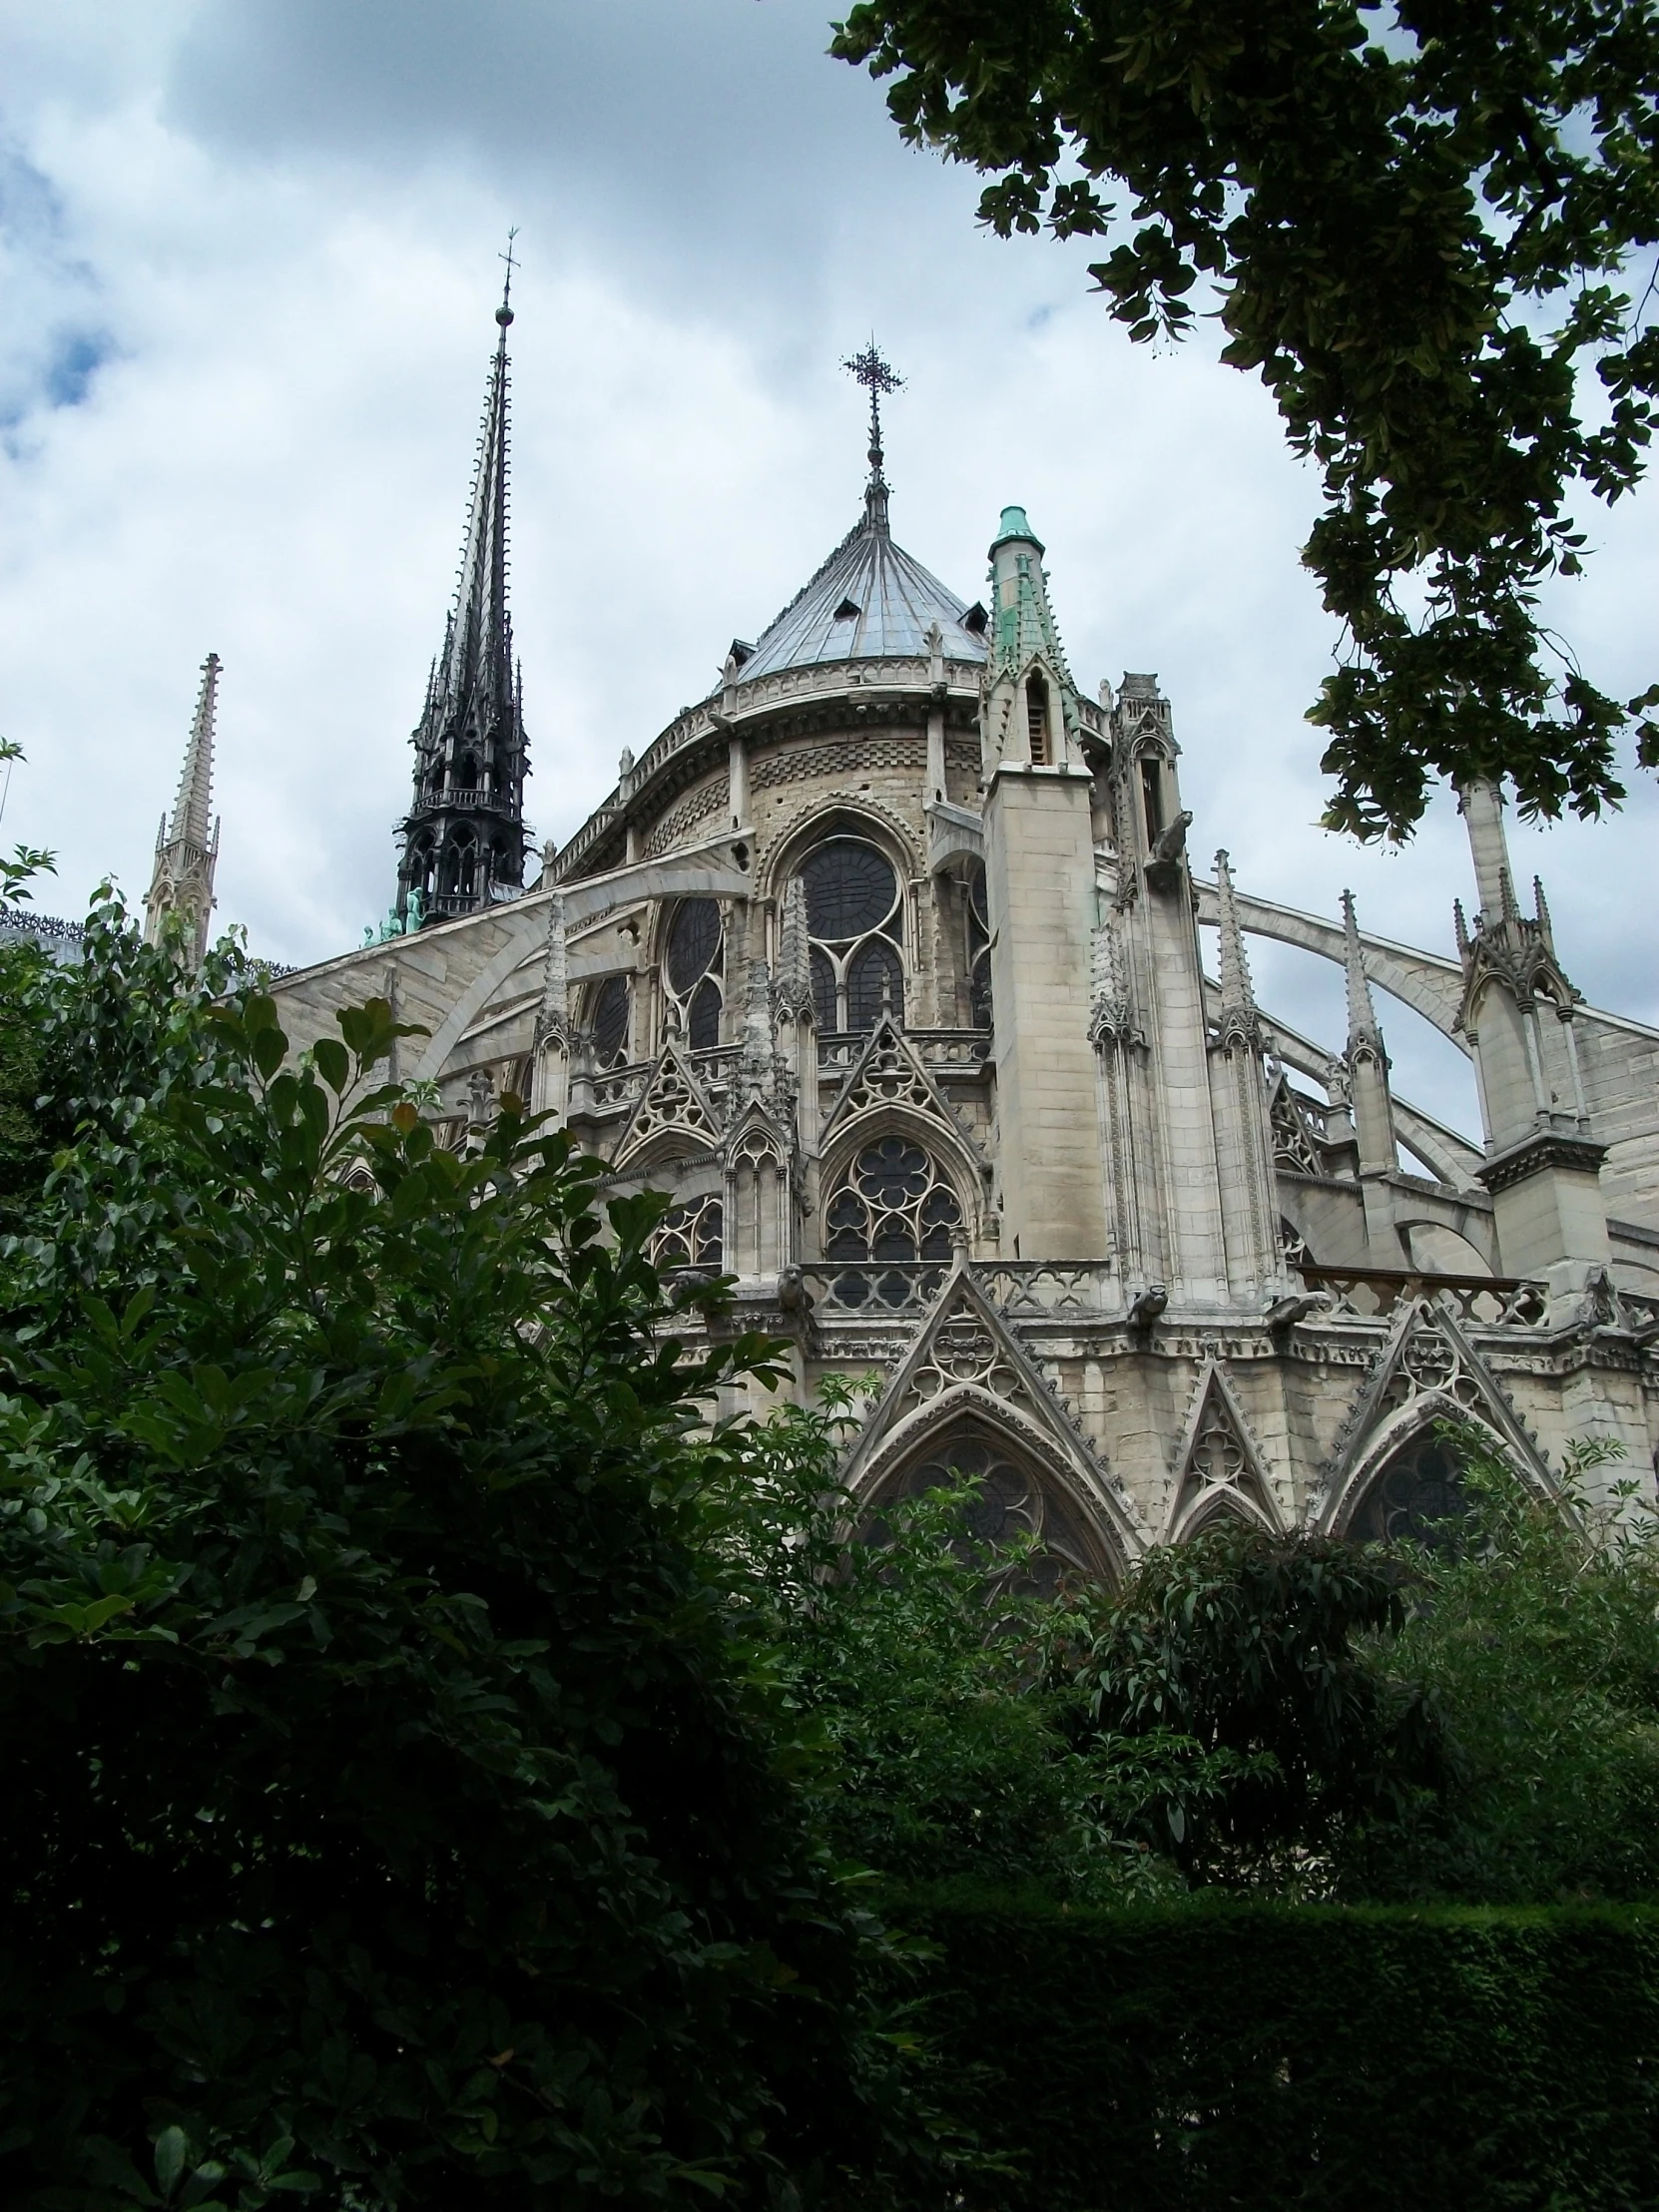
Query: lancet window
[856, 926]
[690, 971]
[891, 1208]
[1417, 1496]
[608, 1021]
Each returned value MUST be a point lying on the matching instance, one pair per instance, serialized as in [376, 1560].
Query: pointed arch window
[1416, 1496]
[891, 1208]
[692, 970]
[856, 929]
[1013, 1503]
[689, 1236]
[608, 1021]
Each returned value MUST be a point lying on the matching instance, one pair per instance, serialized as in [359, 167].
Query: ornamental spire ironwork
[187, 849]
[878, 377]
[464, 836]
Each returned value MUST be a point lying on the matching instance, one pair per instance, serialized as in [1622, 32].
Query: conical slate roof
[870, 600]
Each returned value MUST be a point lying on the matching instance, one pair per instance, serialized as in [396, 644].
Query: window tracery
[894, 1207]
[691, 970]
[856, 929]
[1417, 1496]
[689, 1236]
[1012, 1502]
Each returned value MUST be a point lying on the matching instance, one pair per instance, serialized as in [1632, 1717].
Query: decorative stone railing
[875, 1289]
[943, 1049]
[1370, 1293]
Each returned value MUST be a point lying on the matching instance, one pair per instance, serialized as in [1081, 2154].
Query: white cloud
[276, 226]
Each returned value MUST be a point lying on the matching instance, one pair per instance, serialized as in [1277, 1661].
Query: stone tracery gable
[1429, 1370]
[672, 1107]
[888, 1078]
[966, 1362]
[1219, 1469]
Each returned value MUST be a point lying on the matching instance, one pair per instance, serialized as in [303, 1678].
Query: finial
[876, 376]
[504, 314]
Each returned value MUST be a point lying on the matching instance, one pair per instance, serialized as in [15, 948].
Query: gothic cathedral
[886, 961]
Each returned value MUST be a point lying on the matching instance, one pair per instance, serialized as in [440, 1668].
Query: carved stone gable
[1219, 1469]
[888, 1073]
[672, 1104]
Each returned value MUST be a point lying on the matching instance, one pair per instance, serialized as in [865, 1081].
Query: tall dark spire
[877, 376]
[463, 838]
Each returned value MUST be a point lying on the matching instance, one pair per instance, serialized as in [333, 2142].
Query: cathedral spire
[1367, 1060]
[187, 849]
[877, 376]
[463, 839]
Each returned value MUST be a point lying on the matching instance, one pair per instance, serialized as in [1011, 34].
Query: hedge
[1255, 2056]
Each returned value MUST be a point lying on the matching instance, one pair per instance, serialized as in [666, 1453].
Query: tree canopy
[1428, 227]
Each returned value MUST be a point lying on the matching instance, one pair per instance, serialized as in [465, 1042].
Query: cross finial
[877, 376]
[504, 314]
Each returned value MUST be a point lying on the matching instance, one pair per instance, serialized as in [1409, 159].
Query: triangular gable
[1219, 1466]
[1427, 1370]
[758, 1134]
[671, 1105]
[888, 1073]
[965, 1361]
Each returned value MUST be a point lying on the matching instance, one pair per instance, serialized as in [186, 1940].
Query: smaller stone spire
[758, 1060]
[1239, 1017]
[877, 376]
[1368, 1062]
[187, 849]
[1363, 1035]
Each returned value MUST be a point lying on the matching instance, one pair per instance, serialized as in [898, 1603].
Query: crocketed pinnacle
[1363, 1028]
[1238, 998]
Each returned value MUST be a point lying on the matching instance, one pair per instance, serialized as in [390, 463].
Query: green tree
[396, 1804]
[1422, 225]
[1538, 1640]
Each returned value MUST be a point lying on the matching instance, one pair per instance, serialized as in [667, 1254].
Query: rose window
[689, 1235]
[894, 1207]
[691, 970]
[854, 922]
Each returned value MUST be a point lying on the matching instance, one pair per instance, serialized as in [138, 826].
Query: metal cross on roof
[876, 376]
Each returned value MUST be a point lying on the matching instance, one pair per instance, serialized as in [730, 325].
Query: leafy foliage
[1541, 1641]
[1417, 223]
[396, 1809]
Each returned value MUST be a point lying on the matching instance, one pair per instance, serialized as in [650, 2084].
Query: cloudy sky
[249, 258]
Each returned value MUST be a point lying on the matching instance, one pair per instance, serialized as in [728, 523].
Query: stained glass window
[609, 1020]
[1418, 1496]
[689, 1235]
[855, 917]
[691, 972]
[892, 1206]
[1012, 1502]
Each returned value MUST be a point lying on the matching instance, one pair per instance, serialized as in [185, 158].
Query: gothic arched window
[1013, 1502]
[608, 1020]
[855, 923]
[892, 1204]
[979, 948]
[689, 1235]
[691, 970]
[1416, 1495]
